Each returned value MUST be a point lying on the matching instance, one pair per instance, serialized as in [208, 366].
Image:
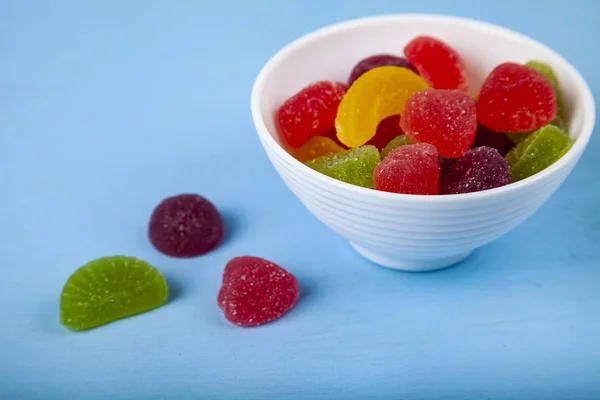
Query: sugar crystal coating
[310, 112]
[409, 169]
[488, 138]
[516, 98]
[375, 61]
[255, 291]
[446, 119]
[354, 166]
[540, 150]
[376, 95]
[186, 225]
[108, 289]
[561, 120]
[439, 64]
[398, 141]
[482, 168]
[315, 147]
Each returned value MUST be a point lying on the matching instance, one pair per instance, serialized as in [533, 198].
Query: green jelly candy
[541, 149]
[395, 142]
[108, 289]
[354, 166]
[518, 137]
[547, 72]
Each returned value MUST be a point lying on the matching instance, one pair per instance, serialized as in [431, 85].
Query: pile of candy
[408, 125]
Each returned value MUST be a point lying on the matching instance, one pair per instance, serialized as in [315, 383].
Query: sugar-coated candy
[376, 95]
[482, 168]
[387, 129]
[315, 147]
[409, 169]
[488, 138]
[186, 225]
[516, 98]
[108, 289]
[354, 166]
[517, 137]
[332, 134]
[439, 64]
[540, 150]
[256, 291]
[445, 165]
[398, 141]
[561, 120]
[375, 61]
[446, 119]
[310, 112]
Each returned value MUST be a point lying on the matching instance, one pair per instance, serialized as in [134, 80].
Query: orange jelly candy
[374, 96]
[315, 147]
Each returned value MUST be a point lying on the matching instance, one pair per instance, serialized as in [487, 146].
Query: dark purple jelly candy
[488, 138]
[478, 169]
[378, 60]
[445, 165]
[186, 225]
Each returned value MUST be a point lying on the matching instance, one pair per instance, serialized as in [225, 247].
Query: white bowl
[410, 232]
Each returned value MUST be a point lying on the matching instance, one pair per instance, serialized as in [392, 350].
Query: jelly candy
[256, 291]
[310, 112]
[186, 225]
[409, 169]
[316, 146]
[488, 138]
[439, 64]
[478, 169]
[387, 129]
[517, 137]
[354, 166]
[376, 95]
[561, 120]
[515, 98]
[108, 289]
[445, 165]
[332, 134]
[398, 141]
[540, 150]
[378, 60]
[446, 119]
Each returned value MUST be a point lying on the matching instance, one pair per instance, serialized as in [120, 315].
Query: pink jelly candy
[438, 63]
[310, 112]
[446, 119]
[478, 169]
[378, 60]
[516, 98]
[409, 169]
[185, 225]
[256, 291]
[488, 138]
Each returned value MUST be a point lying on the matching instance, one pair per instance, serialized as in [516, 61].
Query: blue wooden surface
[106, 107]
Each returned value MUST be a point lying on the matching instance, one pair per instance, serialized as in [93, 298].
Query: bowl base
[412, 265]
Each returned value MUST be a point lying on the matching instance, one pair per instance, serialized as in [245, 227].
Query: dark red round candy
[488, 138]
[478, 169]
[515, 98]
[378, 60]
[388, 129]
[186, 225]
[256, 291]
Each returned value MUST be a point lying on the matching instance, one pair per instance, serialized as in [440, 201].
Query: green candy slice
[561, 120]
[541, 149]
[108, 289]
[354, 166]
[394, 143]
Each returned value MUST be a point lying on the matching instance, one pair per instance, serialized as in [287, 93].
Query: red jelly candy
[488, 138]
[516, 98]
[439, 64]
[388, 129]
[478, 169]
[256, 291]
[185, 225]
[446, 119]
[409, 169]
[310, 112]
[378, 60]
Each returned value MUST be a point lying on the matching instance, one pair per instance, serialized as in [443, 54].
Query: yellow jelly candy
[379, 93]
[315, 147]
